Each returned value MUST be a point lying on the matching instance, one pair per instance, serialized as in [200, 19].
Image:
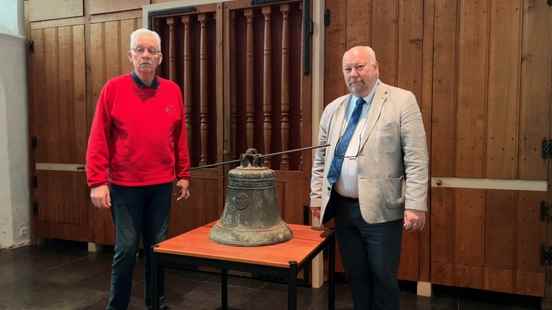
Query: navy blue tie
[343, 144]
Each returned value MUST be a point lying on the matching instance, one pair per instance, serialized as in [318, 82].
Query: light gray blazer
[392, 162]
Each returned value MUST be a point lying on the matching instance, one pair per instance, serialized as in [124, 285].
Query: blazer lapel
[380, 97]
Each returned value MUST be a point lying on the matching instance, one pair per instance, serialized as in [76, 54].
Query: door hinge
[35, 208]
[34, 142]
[545, 212]
[546, 255]
[30, 45]
[546, 149]
[328, 17]
[35, 181]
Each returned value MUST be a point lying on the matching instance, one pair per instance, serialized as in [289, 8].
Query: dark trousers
[137, 212]
[370, 253]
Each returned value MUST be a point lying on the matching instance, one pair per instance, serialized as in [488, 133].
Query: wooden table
[287, 258]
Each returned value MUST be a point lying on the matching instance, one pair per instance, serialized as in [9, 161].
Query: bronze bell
[251, 216]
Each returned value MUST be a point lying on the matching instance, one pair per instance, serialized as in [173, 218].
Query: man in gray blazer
[373, 178]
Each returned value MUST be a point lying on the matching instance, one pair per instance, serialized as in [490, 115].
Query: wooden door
[108, 42]
[58, 128]
[491, 110]
[400, 34]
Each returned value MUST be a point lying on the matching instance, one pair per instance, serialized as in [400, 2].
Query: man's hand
[100, 196]
[183, 191]
[414, 220]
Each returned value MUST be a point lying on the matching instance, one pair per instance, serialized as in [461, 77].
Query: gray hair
[143, 32]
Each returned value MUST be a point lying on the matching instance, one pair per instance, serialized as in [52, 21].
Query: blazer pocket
[393, 191]
[370, 192]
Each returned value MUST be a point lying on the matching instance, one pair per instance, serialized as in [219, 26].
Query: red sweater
[138, 135]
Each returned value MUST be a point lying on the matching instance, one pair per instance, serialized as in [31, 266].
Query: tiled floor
[63, 275]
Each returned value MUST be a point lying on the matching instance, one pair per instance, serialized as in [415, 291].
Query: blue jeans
[141, 211]
[370, 253]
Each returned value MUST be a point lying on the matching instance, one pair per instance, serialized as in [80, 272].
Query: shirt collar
[141, 84]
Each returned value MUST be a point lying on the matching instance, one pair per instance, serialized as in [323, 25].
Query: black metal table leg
[224, 289]
[331, 273]
[155, 280]
[292, 286]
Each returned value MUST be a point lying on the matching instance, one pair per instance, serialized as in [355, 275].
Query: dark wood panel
[53, 9]
[360, 26]
[530, 234]
[62, 205]
[487, 239]
[204, 205]
[500, 246]
[291, 188]
[335, 45]
[385, 39]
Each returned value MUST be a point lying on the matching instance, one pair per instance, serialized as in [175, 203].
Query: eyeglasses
[355, 155]
[357, 67]
[142, 50]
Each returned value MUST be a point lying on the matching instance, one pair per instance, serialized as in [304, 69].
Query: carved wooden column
[249, 87]
[267, 82]
[203, 106]
[187, 75]
[172, 49]
[284, 101]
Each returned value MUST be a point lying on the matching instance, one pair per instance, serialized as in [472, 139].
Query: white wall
[15, 211]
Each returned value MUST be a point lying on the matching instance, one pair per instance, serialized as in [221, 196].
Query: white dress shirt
[347, 182]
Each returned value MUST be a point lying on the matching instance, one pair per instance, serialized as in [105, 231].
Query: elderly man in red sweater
[137, 147]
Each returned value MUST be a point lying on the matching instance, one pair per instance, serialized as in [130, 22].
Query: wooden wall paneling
[385, 38]
[469, 215]
[62, 205]
[335, 46]
[444, 103]
[409, 60]
[290, 186]
[113, 42]
[536, 92]
[50, 107]
[472, 88]
[58, 84]
[503, 89]
[203, 205]
[443, 242]
[360, 24]
[500, 244]
[54, 9]
[109, 6]
[529, 273]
